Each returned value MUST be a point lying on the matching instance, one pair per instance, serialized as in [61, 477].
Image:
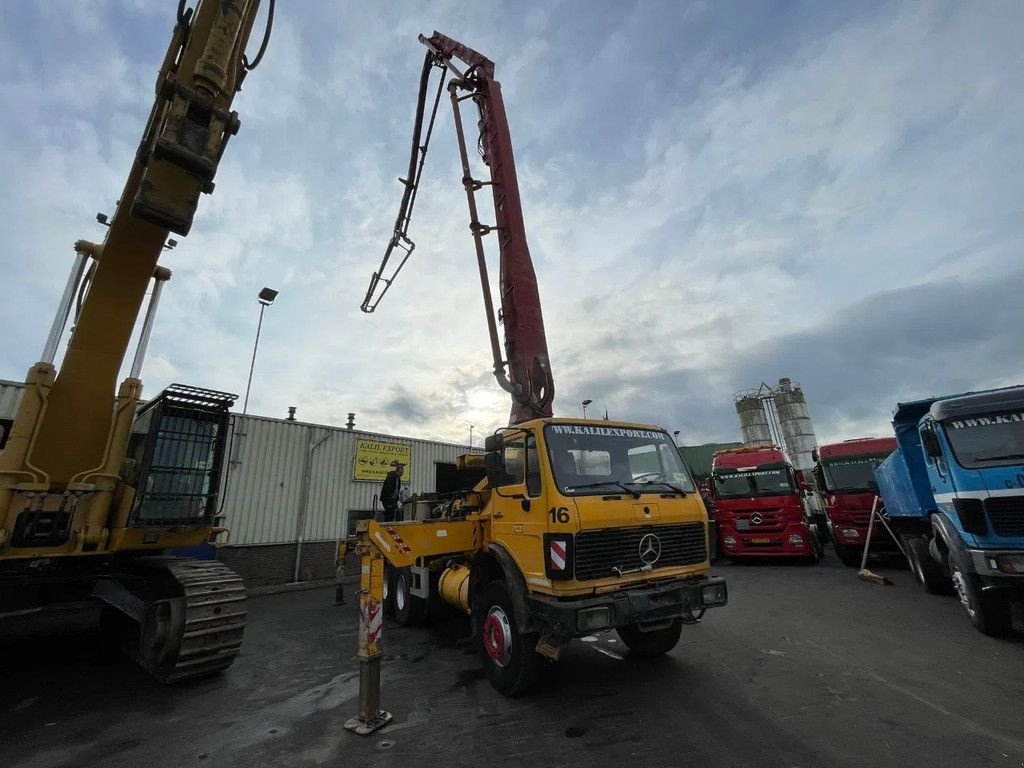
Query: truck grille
[1006, 514]
[597, 552]
[771, 522]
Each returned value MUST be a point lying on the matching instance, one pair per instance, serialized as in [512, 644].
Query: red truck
[845, 475]
[759, 505]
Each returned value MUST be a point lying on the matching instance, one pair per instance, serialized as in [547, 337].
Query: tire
[817, 551]
[409, 609]
[990, 614]
[509, 657]
[849, 556]
[927, 572]
[389, 590]
[650, 644]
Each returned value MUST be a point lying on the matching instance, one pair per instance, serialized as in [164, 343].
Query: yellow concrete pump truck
[94, 489]
[579, 526]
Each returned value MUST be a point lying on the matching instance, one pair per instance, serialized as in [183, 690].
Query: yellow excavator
[94, 489]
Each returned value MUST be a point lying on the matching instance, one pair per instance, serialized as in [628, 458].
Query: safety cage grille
[175, 456]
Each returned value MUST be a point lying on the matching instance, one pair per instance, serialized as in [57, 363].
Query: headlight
[713, 594]
[729, 541]
[1010, 563]
[851, 533]
[590, 619]
[796, 539]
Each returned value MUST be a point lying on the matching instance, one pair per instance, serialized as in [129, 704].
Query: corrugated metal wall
[267, 470]
[10, 396]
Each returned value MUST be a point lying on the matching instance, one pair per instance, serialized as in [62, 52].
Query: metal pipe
[159, 279]
[870, 526]
[252, 364]
[64, 308]
[475, 228]
[300, 523]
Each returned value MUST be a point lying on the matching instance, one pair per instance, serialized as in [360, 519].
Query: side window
[928, 432]
[515, 465]
[532, 467]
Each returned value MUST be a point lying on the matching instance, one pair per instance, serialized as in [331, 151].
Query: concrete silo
[795, 425]
[753, 419]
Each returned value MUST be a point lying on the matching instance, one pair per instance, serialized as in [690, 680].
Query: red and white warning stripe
[373, 619]
[557, 556]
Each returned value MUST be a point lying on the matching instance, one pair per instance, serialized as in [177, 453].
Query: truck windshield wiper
[634, 494]
[673, 486]
[999, 458]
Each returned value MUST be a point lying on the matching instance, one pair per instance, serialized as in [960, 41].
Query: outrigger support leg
[371, 622]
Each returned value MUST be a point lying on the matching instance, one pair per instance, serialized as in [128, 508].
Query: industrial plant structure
[778, 415]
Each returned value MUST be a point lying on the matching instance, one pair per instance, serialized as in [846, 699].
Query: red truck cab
[845, 476]
[759, 505]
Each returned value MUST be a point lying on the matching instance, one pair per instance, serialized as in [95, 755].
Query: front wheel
[655, 642]
[990, 614]
[509, 656]
[848, 556]
[926, 570]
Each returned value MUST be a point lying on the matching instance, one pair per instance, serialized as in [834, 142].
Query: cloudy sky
[715, 194]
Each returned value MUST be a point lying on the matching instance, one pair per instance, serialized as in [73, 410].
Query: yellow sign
[374, 459]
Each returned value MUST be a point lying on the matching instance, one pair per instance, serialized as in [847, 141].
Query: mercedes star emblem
[756, 519]
[650, 549]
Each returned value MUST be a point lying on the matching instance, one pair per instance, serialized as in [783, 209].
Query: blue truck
[954, 493]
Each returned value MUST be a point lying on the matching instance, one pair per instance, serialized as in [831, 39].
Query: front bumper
[793, 541]
[645, 605]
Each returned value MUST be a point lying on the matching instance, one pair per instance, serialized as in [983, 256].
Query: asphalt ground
[807, 666]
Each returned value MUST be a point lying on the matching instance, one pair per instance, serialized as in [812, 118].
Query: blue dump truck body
[954, 491]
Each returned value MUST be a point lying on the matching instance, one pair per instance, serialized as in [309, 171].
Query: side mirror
[801, 483]
[930, 442]
[493, 444]
[814, 455]
[495, 466]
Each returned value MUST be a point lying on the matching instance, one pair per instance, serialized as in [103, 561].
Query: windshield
[589, 459]
[763, 481]
[985, 441]
[852, 473]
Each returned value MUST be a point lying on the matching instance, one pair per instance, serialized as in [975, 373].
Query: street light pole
[471, 437]
[585, 403]
[266, 298]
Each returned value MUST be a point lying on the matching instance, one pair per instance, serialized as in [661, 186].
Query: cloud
[710, 201]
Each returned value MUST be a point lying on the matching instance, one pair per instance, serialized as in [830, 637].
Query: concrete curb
[301, 586]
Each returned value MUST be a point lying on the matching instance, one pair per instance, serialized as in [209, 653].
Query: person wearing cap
[390, 493]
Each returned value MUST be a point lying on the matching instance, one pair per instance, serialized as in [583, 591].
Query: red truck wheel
[508, 655]
[849, 556]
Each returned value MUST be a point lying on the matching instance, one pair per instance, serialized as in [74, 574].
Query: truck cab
[954, 490]
[759, 505]
[844, 474]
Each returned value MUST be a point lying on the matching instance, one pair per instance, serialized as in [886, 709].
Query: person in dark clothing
[390, 494]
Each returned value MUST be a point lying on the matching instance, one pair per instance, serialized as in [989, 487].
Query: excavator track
[199, 632]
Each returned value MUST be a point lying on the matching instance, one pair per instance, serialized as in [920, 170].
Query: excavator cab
[175, 456]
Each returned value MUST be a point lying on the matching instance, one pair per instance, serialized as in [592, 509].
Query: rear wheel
[409, 609]
[989, 613]
[849, 556]
[817, 551]
[509, 656]
[655, 642]
[927, 572]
